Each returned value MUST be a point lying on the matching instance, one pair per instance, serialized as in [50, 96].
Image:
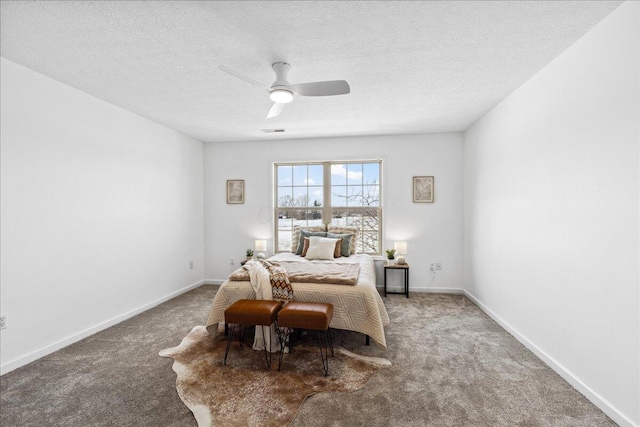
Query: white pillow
[321, 248]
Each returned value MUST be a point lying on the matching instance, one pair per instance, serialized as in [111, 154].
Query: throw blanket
[310, 272]
[270, 282]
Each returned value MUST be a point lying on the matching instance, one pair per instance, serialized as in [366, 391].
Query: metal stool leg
[281, 338]
[229, 339]
[242, 334]
[324, 354]
[292, 339]
[328, 333]
[285, 335]
[267, 353]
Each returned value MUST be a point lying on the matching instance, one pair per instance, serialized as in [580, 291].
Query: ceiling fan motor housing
[279, 89]
[281, 69]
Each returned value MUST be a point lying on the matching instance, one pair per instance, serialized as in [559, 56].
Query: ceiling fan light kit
[281, 91]
[282, 96]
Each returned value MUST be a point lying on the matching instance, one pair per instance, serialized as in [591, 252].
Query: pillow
[304, 234]
[346, 242]
[305, 247]
[336, 252]
[321, 248]
[296, 234]
[336, 229]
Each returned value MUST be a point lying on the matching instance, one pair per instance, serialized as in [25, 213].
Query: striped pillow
[335, 229]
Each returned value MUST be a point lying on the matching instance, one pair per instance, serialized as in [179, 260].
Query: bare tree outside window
[366, 220]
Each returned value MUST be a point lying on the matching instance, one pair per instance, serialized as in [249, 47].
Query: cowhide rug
[244, 393]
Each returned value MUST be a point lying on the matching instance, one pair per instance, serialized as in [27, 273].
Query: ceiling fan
[281, 92]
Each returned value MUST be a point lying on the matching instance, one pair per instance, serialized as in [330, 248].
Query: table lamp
[401, 250]
[261, 247]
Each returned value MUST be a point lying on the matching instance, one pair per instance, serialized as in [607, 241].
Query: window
[338, 193]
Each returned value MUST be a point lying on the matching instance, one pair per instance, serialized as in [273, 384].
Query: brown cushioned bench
[252, 312]
[308, 315]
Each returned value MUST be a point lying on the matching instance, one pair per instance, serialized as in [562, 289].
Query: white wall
[551, 213]
[433, 230]
[101, 214]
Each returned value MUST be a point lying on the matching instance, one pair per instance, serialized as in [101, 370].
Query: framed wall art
[235, 191]
[423, 189]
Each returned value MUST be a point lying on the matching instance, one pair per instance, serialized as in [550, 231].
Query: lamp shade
[261, 245]
[400, 247]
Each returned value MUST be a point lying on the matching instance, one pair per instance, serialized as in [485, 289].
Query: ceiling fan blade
[328, 88]
[240, 76]
[275, 110]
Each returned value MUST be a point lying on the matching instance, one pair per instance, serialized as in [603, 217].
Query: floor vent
[272, 130]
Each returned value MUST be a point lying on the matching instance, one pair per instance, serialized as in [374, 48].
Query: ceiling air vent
[272, 130]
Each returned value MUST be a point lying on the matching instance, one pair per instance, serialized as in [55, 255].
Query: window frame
[327, 209]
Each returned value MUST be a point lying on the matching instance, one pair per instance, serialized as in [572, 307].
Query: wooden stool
[252, 312]
[309, 315]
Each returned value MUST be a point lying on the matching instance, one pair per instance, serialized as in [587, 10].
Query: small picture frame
[423, 189]
[235, 191]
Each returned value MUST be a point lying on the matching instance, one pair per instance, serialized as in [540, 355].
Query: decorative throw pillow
[321, 248]
[296, 234]
[338, 250]
[304, 234]
[336, 253]
[335, 229]
[305, 247]
[345, 249]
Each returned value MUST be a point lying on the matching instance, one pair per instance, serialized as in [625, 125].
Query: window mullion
[326, 189]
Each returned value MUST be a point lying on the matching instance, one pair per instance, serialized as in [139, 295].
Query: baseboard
[438, 290]
[453, 291]
[568, 376]
[213, 281]
[25, 360]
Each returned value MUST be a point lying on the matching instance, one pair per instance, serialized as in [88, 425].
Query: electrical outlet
[3, 321]
[439, 266]
[233, 262]
[190, 265]
[432, 267]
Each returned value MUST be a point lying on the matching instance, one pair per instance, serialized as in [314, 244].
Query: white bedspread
[355, 308]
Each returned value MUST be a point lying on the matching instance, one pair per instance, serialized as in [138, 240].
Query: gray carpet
[452, 366]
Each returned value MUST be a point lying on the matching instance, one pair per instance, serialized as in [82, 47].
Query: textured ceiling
[413, 67]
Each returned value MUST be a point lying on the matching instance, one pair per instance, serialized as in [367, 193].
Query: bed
[356, 307]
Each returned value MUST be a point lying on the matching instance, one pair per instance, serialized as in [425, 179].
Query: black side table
[403, 267]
